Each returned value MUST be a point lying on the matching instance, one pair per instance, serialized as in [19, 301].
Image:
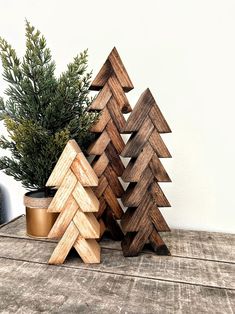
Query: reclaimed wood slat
[135, 191]
[158, 145]
[102, 99]
[63, 220]
[102, 122]
[72, 290]
[99, 164]
[136, 142]
[113, 202]
[176, 269]
[136, 166]
[116, 114]
[115, 137]
[112, 64]
[99, 146]
[158, 119]
[158, 170]
[63, 193]
[62, 166]
[113, 155]
[139, 113]
[119, 94]
[113, 181]
[191, 244]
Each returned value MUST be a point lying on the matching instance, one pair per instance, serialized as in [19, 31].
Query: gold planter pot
[38, 221]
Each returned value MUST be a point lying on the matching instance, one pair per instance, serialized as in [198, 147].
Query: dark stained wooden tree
[112, 82]
[143, 220]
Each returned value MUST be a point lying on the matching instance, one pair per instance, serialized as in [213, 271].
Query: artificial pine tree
[41, 112]
[76, 224]
[142, 220]
[112, 81]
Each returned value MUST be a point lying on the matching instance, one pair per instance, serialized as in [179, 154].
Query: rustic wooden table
[199, 277]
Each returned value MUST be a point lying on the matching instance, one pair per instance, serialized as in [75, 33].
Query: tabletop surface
[199, 277]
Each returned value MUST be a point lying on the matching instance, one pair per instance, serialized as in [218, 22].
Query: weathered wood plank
[50, 289]
[136, 166]
[102, 99]
[116, 114]
[115, 159]
[177, 269]
[102, 121]
[137, 140]
[139, 113]
[113, 181]
[158, 145]
[115, 137]
[119, 94]
[135, 191]
[203, 245]
[99, 164]
[98, 147]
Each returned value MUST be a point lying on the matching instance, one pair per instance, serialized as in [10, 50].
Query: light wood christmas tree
[143, 220]
[112, 81]
[75, 202]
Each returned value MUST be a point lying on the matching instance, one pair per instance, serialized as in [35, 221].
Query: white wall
[185, 52]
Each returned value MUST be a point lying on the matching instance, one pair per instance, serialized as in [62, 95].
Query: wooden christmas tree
[112, 81]
[76, 224]
[143, 221]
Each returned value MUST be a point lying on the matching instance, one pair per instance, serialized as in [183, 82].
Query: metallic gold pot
[38, 221]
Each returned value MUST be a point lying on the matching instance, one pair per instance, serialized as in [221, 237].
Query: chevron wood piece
[102, 122]
[76, 225]
[112, 82]
[112, 64]
[143, 220]
[138, 139]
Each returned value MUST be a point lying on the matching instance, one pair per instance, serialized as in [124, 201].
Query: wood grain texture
[139, 113]
[99, 146]
[158, 145]
[143, 220]
[67, 294]
[137, 140]
[100, 102]
[136, 166]
[113, 80]
[185, 244]
[115, 65]
[62, 166]
[63, 193]
[75, 200]
[116, 114]
[136, 191]
[115, 137]
[102, 121]
[112, 201]
[99, 164]
[119, 94]
[65, 244]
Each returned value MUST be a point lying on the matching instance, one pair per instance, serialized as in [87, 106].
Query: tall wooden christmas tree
[143, 221]
[112, 81]
[76, 224]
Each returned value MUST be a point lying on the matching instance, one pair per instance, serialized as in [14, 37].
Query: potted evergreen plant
[41, 113]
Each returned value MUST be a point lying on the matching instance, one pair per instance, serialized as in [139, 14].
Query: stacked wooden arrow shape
[142, 221]
[112, 81]
[75, 202]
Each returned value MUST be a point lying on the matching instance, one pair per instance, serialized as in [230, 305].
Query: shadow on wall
[4, 204]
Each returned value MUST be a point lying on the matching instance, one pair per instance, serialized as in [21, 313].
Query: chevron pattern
[75, 202]
[143, 220]
[112, 82]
